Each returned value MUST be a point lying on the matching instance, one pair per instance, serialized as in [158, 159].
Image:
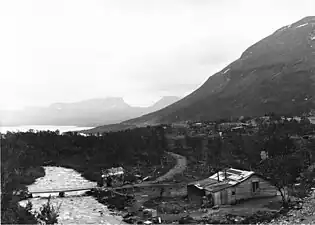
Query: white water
[73, 209]
[25, 128]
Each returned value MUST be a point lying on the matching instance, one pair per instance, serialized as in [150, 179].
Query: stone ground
[73, 209]
[305, 215]
[247, 208]
[306, 212]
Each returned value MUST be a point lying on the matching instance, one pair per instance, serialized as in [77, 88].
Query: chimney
[225, 175]
[218, 176]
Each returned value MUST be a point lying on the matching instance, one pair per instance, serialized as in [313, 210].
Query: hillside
[277, 74]
[92, 112]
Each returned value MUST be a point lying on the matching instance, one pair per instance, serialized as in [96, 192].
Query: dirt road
[181, 163]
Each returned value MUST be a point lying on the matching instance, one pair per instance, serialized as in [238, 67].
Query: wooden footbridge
[128, 186]
[89, 188]
[47, 191]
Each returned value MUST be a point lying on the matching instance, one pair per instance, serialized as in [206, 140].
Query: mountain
[277, 74]
[92, 112]
[163, 102]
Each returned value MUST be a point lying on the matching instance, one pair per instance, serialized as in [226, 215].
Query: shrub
[48, 213]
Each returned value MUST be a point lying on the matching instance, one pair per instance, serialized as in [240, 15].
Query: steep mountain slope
[92, 112]
[277, 74]
[162, 103]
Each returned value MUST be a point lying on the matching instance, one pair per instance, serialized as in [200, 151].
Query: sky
[72, 50]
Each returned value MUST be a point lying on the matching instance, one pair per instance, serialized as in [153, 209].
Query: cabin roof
[223, 179]
[113, 171]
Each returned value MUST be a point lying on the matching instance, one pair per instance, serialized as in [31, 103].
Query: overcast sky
[71, 50]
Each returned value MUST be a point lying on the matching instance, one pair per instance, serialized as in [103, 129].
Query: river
[74, 209]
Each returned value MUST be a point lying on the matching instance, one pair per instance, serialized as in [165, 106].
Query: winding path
[181, 164]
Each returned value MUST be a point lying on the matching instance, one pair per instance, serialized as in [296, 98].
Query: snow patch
[226, 71]
[302, 25]
[312, 38]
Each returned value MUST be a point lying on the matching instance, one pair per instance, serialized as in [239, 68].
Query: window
[233, 192]
[255, 186]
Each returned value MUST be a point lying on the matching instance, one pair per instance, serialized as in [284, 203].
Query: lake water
[41, 128]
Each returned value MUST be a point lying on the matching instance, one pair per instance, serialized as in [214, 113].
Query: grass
[169, 205]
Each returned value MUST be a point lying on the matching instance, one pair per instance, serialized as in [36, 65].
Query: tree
[282, 172]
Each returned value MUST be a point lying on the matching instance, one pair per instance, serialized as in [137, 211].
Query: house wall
[217, 198]
[243, 190]
[195, 194]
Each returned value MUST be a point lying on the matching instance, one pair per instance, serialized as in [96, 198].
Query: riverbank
[129, 199]
[92, 171]
[13, 190]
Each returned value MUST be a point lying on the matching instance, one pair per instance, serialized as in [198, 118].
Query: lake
[62, 129]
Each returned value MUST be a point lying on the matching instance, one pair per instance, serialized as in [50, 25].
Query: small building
[230, 186]
[113, 176]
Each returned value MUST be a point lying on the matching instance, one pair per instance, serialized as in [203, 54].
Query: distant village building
[228, 187]
[233, 126]
[263, 155]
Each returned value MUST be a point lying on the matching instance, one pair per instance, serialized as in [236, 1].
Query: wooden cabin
[230, 186]
[113, 177]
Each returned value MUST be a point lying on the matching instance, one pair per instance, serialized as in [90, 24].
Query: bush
[16, 214]
[48, 213]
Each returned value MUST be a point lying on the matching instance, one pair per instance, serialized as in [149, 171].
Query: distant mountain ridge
[92, 112]
[277, 74]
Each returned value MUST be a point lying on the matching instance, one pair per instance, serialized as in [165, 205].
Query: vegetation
[23, 154]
